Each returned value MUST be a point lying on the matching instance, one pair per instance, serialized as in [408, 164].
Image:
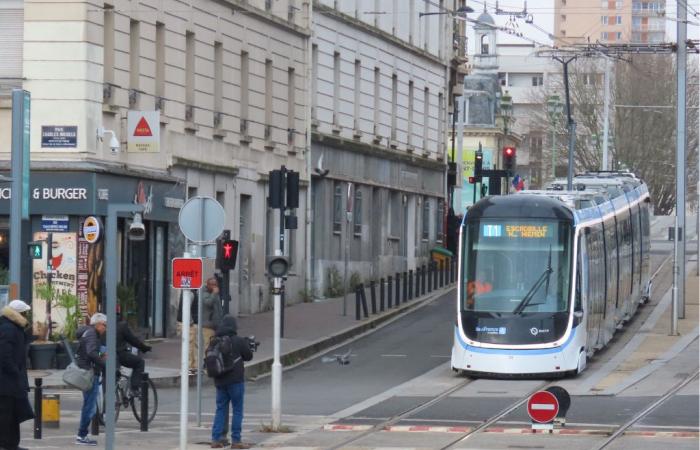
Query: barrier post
[435, 275]
[357, 303]
[38, 395]
[430, 277]
[144, 401]
[410, 284]
[398, 290]
[381, 294]
[442, 273]
[423, 275]
[373, 295]
[363, 297]
[389, 292]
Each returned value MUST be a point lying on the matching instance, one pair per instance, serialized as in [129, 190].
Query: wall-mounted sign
[143, 131]
[54, 223]
[92, 229]
[59, 136]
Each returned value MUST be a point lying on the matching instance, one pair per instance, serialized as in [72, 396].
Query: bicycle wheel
[152, 403]
[101, 399]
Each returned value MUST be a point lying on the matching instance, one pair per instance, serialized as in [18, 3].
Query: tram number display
[517, 231]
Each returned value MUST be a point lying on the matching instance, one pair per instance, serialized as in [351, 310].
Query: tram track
[646, 411]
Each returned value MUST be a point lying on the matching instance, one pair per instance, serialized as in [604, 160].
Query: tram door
[582, 300]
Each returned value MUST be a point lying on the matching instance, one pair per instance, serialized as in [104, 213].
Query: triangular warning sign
[142, 128]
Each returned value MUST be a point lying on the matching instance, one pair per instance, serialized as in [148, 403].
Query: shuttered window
[11, 37]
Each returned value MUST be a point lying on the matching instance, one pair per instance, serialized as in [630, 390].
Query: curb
[504, 430]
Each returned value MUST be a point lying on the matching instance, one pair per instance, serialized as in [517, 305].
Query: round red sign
[542, 407]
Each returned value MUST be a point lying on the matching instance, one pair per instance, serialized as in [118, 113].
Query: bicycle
[124, 398]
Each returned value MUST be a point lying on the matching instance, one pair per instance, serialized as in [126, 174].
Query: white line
[542, 407]
[441, 356]
[393, 356]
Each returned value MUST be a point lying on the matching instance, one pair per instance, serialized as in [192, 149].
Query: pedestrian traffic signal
[35, 250]
[472, 180]
[478, 165]
[226, 253]
[509, 158]
[277, 266]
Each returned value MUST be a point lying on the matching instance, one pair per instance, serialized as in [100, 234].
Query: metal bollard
[435, 275]
[144, 402]
[38, 394]
[357, 303]
[442, 273]
[363, 297]
[430, 277]
[389, 292]
[410, 284]
[417, 282]
[423, 275]
[398, 290]
[381, 294]
[373, 295]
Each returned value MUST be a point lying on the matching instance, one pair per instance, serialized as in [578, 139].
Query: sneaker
[218, 444]
[241, 445]
[85, 441]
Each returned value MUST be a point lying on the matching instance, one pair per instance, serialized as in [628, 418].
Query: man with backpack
[224, 360]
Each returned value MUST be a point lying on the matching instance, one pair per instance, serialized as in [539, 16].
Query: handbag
[78, 378]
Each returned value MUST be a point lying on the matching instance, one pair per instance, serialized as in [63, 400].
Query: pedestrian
[14, 385]
[230, 386]
[211, 316]
[89, 357]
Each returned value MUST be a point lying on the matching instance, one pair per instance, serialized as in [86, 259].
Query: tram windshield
[517, 266]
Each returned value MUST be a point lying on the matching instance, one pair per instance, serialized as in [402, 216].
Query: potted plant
[43, 351]
[69, 302]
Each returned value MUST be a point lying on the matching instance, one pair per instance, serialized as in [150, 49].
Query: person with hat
[14, 385]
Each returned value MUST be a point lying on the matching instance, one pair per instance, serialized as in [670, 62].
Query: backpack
[214, 361]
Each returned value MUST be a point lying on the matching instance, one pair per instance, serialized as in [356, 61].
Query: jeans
[134, 362]
[232, 393]
[89, 407]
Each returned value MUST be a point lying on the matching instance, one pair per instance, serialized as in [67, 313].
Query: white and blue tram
[546, 277]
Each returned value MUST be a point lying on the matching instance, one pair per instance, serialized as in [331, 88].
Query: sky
[542, 12]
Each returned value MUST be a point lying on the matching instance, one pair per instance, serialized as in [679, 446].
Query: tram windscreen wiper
[531, 293]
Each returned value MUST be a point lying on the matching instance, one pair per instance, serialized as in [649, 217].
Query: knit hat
[19, 306]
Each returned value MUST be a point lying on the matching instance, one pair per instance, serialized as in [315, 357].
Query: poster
[466, 194]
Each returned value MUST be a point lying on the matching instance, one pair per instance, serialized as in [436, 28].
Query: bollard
[398, 290]
[389, 292]
[442, 273]
[357, 303]
[38, 393]
[381, 294]
[50, 411]
[373, 295]
[423, 275]
[405, 287]
[430, 277]
[410, 284]
[435, 275]
[144, 402]
[363, 297]
[417, 282]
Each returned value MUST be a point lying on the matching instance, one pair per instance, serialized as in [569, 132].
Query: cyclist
[125, 357]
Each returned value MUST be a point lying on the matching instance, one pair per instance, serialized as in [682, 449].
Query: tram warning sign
[187, 273]
[542, 407]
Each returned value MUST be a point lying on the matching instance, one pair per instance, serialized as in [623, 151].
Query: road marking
[441, 356]
[393, 356]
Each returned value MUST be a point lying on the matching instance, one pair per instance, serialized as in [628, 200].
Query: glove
[146, 348]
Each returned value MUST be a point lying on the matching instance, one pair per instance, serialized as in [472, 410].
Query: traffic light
[509, 158]
[478, 165]
[472, 180]
[226, 253]
[277, 266]
[35, 250]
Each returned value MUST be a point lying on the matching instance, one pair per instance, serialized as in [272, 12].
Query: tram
[547, 277]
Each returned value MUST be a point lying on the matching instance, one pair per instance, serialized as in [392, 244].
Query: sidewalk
[309, 328]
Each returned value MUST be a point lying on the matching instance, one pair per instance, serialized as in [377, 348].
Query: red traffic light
[509, 151]
[227, 251]
[471, 180]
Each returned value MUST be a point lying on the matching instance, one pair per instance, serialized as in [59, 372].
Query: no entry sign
[187, 273]
[542, 407]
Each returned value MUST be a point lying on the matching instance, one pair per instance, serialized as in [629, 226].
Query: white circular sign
[201, 219]
[92, 229]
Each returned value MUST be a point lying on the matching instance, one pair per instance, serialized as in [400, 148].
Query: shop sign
[143, 131]
[59, 136]
[54, 223]
[92, 229]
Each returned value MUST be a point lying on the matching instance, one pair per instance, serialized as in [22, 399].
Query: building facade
[609, 21]
[227, 80]
[379, 120]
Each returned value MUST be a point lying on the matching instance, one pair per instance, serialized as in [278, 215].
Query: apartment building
[609, 21]
[221, 82]
[380, 103]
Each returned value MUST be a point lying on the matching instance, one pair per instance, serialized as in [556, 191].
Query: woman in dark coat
[14, 386]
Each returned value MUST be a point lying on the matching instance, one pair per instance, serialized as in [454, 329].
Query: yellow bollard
[51, 410]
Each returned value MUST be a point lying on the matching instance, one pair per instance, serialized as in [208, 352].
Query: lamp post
[554, 109]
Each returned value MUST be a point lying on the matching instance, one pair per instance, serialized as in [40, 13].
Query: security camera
[137, 230]
[113, 142]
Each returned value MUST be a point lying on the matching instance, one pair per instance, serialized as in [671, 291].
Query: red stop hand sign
[542, 407]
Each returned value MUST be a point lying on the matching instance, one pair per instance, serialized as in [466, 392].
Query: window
[191, 192]
[619, 20]
[160, 59]
[439, 221]
[291, 106]
[563, 17]
[618, 36]
[484, 44]
[395, 214]
[245, 74]
[538, 80]
[441, 123]
[337, 208]
[394, 101]
[377, 92]
[189, 68]
[218, 77]
[410, 112]
[604, 35]
[604, 20]
[358, 92]
[134, 53]
[357, 213]
[314, 79]
[589, 79]
[336, 87]
[268, 98]
[425, 226]
[108, 44]
[426, 117]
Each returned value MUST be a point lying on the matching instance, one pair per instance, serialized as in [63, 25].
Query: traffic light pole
[276, 364]
[49, 279]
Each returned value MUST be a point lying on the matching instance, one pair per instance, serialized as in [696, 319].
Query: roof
[485, 18]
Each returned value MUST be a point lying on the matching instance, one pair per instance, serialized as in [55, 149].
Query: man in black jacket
[14, 386]
[126, 358]
[230, 386]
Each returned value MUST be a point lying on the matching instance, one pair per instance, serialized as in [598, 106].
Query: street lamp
[554, 110]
